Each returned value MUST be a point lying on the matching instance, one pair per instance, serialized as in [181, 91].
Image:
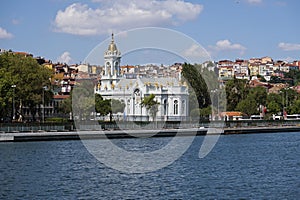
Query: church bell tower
[111, 73]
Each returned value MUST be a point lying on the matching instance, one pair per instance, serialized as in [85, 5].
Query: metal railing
[140, 125]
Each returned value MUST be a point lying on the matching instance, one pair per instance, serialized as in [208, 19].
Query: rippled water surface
[253, 166]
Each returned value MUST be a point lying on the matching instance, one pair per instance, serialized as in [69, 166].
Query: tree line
[251, 101]
[23, 82]
[237, 95]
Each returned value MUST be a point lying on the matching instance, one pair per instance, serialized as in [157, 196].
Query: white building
[171, 93]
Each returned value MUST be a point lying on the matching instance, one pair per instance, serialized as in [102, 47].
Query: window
[165, 107]
[137, 92]
[175, 107]
[128, 106]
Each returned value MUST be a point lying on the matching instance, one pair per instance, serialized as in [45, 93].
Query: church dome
[112, 47]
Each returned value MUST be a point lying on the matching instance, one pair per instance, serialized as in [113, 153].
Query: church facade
[171, 93]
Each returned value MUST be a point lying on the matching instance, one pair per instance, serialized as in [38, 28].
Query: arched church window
[128, 106]
[137, 95]
[117, 68]
[175, 107]
[165, 107]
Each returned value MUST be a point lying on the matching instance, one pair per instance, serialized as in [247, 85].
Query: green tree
[295, 109]
[261, 78]
[258, 94]
[29, 77]
[197, 85]
[205, 112]
[275, 79]
[274, 107]
[294, 75]
[103, 106]
[236, 91]
[83, 100]
[108, 106]
[248, 106]
[272, 97]
[117, 106]
[289, 96]
[274, 103]
[65, 106]
[151, 105]
[198, 114]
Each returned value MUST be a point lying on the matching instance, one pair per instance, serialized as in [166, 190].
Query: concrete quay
[118, 134]
[92, 134]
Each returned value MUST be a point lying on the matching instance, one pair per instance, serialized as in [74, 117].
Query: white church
[171, 93]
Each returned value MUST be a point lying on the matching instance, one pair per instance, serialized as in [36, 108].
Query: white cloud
[116, 15]
[289, 46]
[254, 1]
[4, 34]
[195, 51]
[226, 45]
[65, 58]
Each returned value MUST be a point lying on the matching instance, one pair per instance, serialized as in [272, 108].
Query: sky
[67, 31]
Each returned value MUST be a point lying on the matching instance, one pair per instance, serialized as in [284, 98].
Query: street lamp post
[44, 88]
[218, 103]
[14, 114]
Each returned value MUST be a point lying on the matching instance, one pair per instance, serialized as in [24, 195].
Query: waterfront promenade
[115, 134]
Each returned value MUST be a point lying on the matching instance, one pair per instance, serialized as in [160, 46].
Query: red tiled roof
[232, 113]
[22, 53]
[60, 96]
[128, 66]
[225, 61]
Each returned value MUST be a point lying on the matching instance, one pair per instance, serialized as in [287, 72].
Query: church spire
[112, 37]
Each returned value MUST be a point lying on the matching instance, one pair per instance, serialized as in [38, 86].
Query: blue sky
[65, 30]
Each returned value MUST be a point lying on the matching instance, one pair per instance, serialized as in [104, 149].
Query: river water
[253, 166]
